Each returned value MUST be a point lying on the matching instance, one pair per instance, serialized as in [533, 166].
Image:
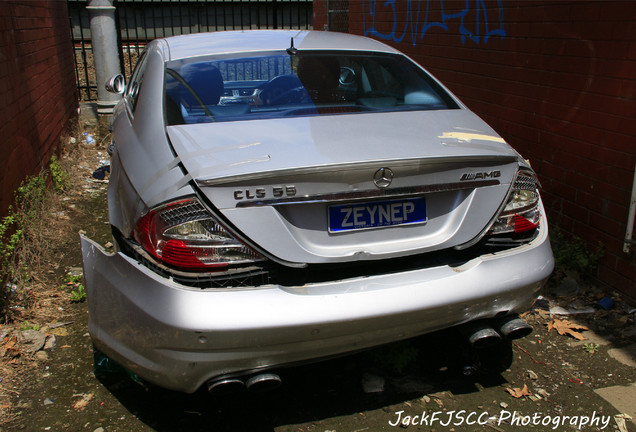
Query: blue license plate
[376, 214]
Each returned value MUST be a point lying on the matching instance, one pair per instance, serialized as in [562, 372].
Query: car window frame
[133, 88]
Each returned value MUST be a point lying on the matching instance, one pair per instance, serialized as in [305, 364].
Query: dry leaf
[80, 404]
[517, 392]
[8, 347]
[10, 342]
[565, 327]
[621, 421]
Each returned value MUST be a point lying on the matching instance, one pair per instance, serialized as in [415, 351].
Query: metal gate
[140, 21]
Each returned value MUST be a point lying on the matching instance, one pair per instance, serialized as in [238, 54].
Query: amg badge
[481, 175]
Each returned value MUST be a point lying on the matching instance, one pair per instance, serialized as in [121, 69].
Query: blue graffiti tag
[413, 14]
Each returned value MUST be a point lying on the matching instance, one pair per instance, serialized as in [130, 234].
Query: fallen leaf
[80, 404]
[565, 327]
[620, 420]
[59, 331]
[8, 347]
[518, 393]
[10, 342]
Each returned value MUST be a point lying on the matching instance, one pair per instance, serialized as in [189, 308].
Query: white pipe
[630, 221]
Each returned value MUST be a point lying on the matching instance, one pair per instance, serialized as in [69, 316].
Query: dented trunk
[343, 188]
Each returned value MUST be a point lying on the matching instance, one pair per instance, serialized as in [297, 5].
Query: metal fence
[140, 21]
[338, 15]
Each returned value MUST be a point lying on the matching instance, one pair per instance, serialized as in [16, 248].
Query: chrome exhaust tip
[225, 386]
[512, 327]
[480, 334]
[263, 382]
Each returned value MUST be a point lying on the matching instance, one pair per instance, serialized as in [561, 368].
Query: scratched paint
[488, 21]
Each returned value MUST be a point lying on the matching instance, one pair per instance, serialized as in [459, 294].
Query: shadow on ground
[310, 393]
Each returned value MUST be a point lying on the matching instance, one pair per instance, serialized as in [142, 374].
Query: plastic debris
[558, 310]
[88, 138]
[541, 303]
[532, 374]
[100, 173]
[606, 303]
[105, 365]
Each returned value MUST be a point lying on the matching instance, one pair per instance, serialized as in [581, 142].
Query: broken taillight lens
[185, 235]
[521, 212]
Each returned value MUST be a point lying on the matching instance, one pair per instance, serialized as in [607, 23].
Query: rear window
[274, 85]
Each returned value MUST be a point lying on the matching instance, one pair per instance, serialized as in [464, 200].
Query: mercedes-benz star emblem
[383, 178]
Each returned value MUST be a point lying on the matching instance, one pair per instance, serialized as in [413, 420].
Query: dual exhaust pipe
[485, 334]
[257, 384]
[480, 334]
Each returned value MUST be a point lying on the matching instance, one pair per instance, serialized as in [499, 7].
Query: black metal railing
[140, 21]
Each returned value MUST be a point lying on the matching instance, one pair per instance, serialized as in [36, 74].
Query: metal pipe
[512, 327]
[225, 386]
[263, 382]
[105, 54]
[480, 334]
[630, 219]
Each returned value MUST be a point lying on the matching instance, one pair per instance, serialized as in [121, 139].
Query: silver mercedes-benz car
[278, 197]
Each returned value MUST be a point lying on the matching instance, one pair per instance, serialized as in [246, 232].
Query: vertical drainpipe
[105, 54]
[630, 219]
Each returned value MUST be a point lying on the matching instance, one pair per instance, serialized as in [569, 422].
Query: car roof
[226, 42]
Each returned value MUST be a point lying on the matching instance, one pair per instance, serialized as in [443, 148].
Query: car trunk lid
[314, 189]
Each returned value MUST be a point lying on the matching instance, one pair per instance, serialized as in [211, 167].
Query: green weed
[19, 228]
[73, 278]
[28, 204]
[78, 295]
[59, 176]
[573, 253]
[28, 326]
[591, 347]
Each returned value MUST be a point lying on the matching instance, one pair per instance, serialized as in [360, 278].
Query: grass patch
[34, 236]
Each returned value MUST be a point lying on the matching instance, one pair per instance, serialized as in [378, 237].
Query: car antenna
[292, 50]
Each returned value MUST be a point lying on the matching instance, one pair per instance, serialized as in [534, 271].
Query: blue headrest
[206, 80]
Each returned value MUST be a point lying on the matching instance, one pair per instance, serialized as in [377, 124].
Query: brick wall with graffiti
[37, 89]
[557, 79]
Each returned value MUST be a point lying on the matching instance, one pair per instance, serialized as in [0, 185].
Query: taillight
[185, 235]
[521, 212]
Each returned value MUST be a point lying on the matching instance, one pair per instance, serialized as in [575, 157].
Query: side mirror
[116, 84]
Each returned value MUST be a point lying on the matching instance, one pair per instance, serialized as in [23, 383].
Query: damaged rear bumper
[179, 337]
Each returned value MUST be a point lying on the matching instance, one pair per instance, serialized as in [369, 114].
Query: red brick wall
[557, 79]
[37, 87]
[321, 14]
